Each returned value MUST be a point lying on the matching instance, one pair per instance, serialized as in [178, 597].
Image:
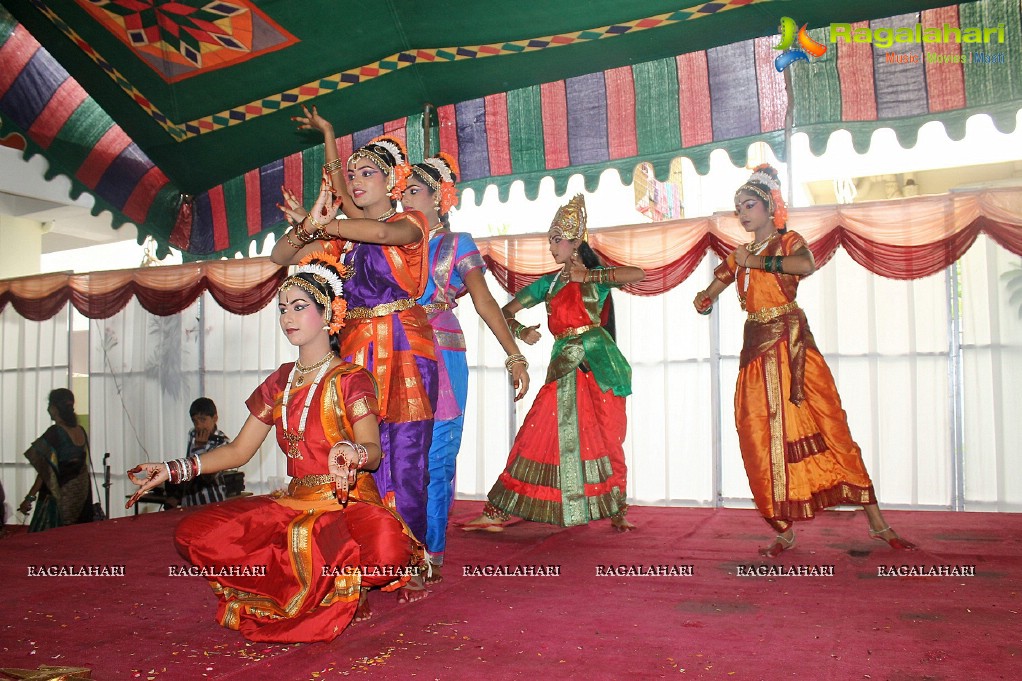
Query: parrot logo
[790, 32]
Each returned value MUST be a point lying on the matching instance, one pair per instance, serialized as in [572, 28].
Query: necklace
[433, 232]
[754, 248]
[303, 369]
[386, 216]
[294, 438]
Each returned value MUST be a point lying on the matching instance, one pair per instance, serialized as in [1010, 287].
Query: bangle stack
[301, 237]
[320, 232]
[516, 327]
[333, 165]
[183, 470]
[512, 360]
[360, 449]
[602, 275]
[773, 264]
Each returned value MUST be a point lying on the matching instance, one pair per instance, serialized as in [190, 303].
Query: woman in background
[61, 460]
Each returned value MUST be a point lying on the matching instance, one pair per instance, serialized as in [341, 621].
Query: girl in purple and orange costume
[386, 253]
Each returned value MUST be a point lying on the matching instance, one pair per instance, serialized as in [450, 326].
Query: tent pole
[789, 121]
[426, 120]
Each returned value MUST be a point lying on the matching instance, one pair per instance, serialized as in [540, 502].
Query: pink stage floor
[711, 614]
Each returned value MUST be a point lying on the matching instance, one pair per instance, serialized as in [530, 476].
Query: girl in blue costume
[455, 268]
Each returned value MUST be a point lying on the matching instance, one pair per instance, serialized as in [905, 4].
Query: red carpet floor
[712, 624]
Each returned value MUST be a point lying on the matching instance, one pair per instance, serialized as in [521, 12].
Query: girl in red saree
[296, 568]
[798, 452]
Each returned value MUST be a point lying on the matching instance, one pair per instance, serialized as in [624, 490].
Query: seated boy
[203, 437]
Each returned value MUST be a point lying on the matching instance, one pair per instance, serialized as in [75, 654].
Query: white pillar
[21, 246]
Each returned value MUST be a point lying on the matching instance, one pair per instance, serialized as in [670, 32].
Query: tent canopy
[142, 102]
[207, 89]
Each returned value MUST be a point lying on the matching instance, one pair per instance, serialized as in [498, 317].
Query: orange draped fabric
[798, 451]
[899, 239]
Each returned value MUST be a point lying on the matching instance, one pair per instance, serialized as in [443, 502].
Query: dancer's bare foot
[891, 537]
[484, 523]
[620, 524]
[363, 613]
[781, 543]
[414, 590]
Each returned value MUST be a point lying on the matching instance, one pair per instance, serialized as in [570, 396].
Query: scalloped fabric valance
[899, 239]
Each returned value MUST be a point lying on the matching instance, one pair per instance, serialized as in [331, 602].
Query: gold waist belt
[312, 480]
[772, 313]
[577, 331]
[436, 307]
[381, 310]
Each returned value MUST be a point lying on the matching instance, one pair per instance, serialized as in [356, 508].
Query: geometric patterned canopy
[141, 102]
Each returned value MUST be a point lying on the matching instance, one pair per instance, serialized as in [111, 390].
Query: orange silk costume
[798, 451]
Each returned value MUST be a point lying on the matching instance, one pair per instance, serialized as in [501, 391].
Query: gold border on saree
[577, 331]
[772, 313]
[381, 310]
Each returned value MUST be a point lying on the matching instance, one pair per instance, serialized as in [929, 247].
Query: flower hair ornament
[445, 193]
[763, 183]
[570, 220]
[396, 167]
[329, 273]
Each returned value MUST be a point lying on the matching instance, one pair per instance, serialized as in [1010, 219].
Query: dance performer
[798, 452]
[456, 267]
[386, 332]
[567, 465]
[307, 557]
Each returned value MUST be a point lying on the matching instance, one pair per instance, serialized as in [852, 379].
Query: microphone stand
[106, 482]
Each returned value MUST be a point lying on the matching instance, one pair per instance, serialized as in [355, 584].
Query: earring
[574, 254]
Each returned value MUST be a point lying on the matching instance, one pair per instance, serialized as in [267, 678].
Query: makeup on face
[366, 183]
[298, 314]
[751, 211]
[418, 197]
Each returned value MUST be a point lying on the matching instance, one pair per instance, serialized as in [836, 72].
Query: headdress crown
[570, 219]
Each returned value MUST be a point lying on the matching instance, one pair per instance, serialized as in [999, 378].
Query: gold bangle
[291, 242]
[515, 359]
[333, 165]
[302, 235]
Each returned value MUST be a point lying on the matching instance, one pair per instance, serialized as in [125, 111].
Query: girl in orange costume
[798, 452]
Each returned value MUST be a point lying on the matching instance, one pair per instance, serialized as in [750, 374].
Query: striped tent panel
[689, 105]
[946, 87]
[59, 119]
